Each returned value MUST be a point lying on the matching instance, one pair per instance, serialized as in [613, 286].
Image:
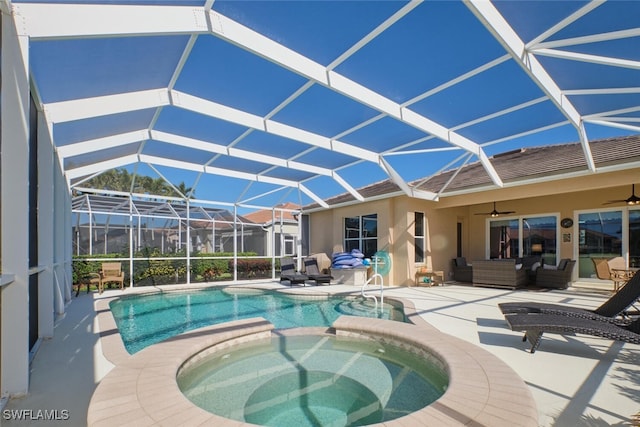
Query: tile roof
[264, 216]
[550, 161]
[535, 162]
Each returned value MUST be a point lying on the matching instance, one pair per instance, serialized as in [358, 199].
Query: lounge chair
[111, 273]
[289, 273]
[534, 325]
[311, 269]
[610, 311]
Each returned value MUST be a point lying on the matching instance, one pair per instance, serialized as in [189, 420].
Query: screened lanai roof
[127, 205]
[275, 101]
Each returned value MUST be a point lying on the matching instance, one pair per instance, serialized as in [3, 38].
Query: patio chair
[534, 325]
[617, 268]
[462, 272]
[111, 273]
[605, 270]
[289, 273]
[558, 277]
[613, 310]
[602, 268]
[311, 269]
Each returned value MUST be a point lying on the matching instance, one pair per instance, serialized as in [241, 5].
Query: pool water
[148, 319]
[312, 381]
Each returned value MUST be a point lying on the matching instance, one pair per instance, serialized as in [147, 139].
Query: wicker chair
[558, 278]
[534, 325]
[462, 272]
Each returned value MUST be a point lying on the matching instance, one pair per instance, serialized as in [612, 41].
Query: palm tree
[182, 187]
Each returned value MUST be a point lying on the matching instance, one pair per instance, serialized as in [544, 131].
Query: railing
[374, 279]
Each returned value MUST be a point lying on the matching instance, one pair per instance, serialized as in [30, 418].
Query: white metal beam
[250, 40]
[347, 186]
[406, 188]
[602, 91]
[45, 21]
[615, 124]
[97, 144]
[594, 59]
[77, 109]
[223, 112]
[594, 38]
[582, 11]
[311, 194]
[101, 166]
[236, 152]
[489, 16]
[172, 163]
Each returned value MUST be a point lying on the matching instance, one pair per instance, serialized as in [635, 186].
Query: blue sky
[422, 61]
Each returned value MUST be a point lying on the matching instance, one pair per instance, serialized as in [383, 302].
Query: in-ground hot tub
[143, 387]
[311, 380]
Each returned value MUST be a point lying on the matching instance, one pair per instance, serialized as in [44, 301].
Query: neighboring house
[280, 227]
[423, 233]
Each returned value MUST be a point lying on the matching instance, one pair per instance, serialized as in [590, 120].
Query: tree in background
[121, 180]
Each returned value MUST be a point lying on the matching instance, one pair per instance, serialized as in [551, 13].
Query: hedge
[148, 271]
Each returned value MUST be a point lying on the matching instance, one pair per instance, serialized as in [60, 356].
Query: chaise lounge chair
[311, 269]
[534, 325]
[289, 273]
[610, 311]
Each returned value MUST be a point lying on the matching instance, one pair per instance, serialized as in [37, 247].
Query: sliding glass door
[600, 235]
[634, 238]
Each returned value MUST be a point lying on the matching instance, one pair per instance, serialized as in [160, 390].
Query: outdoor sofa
[503, 273]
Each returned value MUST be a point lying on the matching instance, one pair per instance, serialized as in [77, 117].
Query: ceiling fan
[631, 200]
[494, 213]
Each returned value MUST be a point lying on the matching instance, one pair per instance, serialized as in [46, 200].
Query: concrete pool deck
[574, 380]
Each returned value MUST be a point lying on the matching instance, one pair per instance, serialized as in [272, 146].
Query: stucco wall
[327, 227]
[396, 216]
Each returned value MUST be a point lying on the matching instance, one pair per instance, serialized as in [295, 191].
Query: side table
[429, 278]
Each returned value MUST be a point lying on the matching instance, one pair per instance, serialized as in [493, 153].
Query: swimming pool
[312, 380]
[144, 320]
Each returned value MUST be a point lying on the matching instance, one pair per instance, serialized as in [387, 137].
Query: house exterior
[422, 233]
[280, 229]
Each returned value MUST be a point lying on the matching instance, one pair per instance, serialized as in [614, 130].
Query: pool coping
[142, 388]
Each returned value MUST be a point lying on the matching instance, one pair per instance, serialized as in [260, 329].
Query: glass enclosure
[177, 241]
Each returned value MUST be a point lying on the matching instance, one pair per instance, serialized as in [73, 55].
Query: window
[361, 232]
[285, 244]
[289, 244]
[521, 237]
[503, 239]
[418, 236]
